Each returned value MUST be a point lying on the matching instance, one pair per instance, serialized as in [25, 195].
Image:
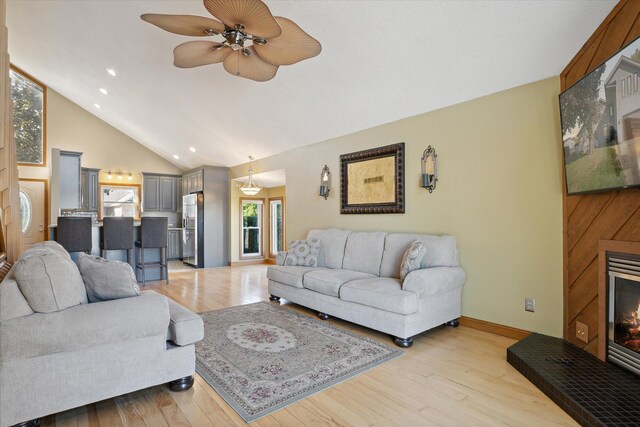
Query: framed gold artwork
[372, 181]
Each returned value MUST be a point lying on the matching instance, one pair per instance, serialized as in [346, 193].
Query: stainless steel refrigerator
[193, 229]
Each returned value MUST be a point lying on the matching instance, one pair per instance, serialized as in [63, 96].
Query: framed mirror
[119, 200]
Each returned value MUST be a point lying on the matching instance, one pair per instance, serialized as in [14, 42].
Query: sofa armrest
[435, 280]
[185, 326]
[84, 326]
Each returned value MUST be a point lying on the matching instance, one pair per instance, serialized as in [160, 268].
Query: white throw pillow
[107, 279]
[412, 258]
[303, 252]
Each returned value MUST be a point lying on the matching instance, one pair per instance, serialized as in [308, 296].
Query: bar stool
[74, 233]
[117, 235]
[153, 235]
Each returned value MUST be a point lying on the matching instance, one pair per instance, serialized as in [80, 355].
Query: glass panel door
[251, 228]
[276, 231]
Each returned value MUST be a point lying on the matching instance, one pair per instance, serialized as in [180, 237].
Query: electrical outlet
[530, 304]
[582, 332]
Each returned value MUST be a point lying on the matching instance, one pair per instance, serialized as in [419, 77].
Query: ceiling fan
[255, 42]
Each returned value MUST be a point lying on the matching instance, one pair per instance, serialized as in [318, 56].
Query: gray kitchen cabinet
[174, 244]
[84, 190]
[69, 186]
[179, 194]
[193, 181]
[151, 193]
[161, 192]
[89, 179]
[167, 193]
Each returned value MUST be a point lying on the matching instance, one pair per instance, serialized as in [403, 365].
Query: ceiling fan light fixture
[275, 41]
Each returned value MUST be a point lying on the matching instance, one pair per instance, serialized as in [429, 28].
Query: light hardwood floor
[449, 377]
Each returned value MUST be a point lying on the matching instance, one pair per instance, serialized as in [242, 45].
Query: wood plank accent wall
[592, 217]
[10, 230]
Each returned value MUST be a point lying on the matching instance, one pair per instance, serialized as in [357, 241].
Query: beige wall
[234, 207]
[499, 193]
[70, 127]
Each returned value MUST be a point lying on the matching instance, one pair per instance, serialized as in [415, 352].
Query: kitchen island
[150, 255]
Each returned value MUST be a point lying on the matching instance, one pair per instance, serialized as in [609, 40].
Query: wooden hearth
[605, 246]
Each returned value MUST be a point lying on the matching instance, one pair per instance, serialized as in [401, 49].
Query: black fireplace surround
[623, 307]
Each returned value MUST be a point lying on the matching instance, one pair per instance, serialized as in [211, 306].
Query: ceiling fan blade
[186, 25]
[197, 53]
[250, 67]
[253, 14]
[293, 45]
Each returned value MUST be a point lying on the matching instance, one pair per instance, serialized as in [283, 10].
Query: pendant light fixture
[249, 188]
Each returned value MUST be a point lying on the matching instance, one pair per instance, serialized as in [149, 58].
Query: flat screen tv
[600, 117]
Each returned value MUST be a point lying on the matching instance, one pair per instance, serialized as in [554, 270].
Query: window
[25, 211]
[29, 103]
[251, 228]
[120, 200]
[276, 231]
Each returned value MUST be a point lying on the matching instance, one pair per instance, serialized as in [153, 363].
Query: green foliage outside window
[28, 118]
[251, 228]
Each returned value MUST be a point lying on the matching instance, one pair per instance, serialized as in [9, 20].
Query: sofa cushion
[384, 293]
[49, 282]
[332, 243]
[185, 327]
[107, 279]
[329, 281]
[289, 275]
[363, 252]
[303, 252]
[12, 302]
[412, 258]
[441, 252]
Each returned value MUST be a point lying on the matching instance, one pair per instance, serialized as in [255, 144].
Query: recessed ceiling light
[192, 149]
[175, 156]
[111, 72]
[97, 106]
[103, 91]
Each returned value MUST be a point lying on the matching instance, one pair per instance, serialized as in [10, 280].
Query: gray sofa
[51, 362]
[357, 279]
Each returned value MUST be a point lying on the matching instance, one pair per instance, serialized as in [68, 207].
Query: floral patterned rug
[262, 357]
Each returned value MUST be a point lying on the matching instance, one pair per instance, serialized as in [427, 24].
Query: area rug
[262, 357]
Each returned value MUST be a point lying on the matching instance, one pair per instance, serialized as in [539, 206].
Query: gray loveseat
[51, 362]
[357, 279]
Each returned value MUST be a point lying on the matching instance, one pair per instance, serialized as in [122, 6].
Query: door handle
[41, 228]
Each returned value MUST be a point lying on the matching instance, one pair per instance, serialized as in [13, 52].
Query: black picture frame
[397, 205]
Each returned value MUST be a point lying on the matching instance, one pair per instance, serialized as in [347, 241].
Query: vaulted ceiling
[381, 61]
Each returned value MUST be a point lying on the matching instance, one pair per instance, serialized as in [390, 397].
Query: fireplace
[623, 307]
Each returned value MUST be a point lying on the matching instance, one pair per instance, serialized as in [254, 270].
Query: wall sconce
[109, 174]
[325, 175]
[429, 169]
